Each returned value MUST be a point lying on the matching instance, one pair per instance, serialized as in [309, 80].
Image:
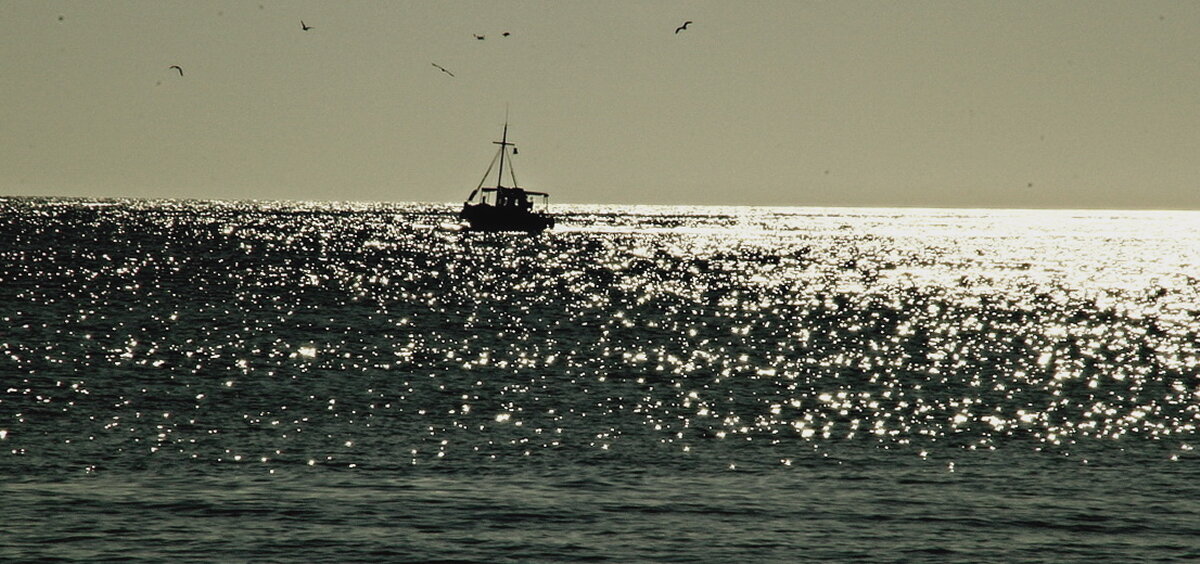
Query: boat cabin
[514, 198]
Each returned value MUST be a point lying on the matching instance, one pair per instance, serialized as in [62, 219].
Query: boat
[506, 208]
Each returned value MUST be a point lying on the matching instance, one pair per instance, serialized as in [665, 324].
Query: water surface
[187, 380]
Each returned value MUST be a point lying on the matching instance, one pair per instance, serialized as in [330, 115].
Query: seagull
[479, 37]
[683, 27]
[176, 67]
[505, 34]
[443, 69]
[304, 27]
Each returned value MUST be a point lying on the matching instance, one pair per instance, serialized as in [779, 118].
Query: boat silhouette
[506, 208]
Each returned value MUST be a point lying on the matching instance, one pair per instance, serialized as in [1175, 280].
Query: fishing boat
[506, 208]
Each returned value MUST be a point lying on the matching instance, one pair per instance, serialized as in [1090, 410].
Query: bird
[176, 67]
[479, 37]
[683, 27]
[304, 27]
[443, 69]
[505, 34]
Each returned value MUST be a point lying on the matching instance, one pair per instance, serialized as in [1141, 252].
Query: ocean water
[248, 381]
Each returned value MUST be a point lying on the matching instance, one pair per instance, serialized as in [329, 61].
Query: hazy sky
[1088, 104]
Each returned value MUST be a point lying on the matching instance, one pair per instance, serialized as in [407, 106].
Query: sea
[241, 381]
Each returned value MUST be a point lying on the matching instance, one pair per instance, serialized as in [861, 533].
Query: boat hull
[486, 217]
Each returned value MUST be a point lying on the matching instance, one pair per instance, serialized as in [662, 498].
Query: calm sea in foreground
[257, 382]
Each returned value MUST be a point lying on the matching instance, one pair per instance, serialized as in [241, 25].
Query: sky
[1016, 104]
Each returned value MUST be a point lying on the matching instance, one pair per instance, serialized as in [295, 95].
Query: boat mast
[503, 143]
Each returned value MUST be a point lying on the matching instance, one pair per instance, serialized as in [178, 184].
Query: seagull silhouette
[176, 67]
[683, 27]
[304, 27]
[443, 69]
[505, 34]
[479, 37]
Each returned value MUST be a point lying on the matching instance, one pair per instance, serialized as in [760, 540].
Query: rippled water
[276, 381]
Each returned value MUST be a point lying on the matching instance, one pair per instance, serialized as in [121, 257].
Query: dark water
[299, 382]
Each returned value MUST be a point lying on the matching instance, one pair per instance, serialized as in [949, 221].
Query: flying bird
[479, 37]
[443, 69]
[176, 67]
[304, 27]
[683, 27]
[505, 34]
